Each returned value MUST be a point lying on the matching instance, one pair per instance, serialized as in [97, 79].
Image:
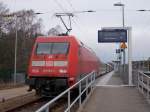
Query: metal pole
[148, 65]
[80, 94]
[15, 59]
[122, 58]
[69, 101]
[147, 88]
[47, 109]
[130, 54]
[123, 23]
[124, 53]
[138, 80]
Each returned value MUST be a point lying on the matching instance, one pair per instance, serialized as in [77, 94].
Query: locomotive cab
[48, 70]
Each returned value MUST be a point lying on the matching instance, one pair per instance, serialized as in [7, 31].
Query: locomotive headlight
[60, 63]
[38, 63]
[63, 71]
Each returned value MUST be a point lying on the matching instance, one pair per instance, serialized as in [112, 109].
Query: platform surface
[11, 93]
[111, 95]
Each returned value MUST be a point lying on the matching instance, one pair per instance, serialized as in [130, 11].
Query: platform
[16, 97]
[11, 93]
[111, 95]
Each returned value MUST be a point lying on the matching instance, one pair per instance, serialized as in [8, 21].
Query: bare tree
[28, 27]
[3, 21]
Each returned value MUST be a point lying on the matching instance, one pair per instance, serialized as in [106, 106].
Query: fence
[136, 65]
[144, 84]
[89, 87]
[140, 77]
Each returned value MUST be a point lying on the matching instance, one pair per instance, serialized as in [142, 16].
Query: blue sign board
[112, 35]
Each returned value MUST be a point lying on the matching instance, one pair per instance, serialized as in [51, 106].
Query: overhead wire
[60, 6]
[68, 1]
[83, 32]
[78, 27]
[74, 10]
[65, 10]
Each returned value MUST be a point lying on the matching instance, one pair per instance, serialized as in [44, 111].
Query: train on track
[57, 62]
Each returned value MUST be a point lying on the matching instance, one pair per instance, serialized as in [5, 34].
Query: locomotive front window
[59, 48]
[43, 48]
[52, 48]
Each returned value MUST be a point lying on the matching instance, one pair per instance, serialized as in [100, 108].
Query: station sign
[112, 35]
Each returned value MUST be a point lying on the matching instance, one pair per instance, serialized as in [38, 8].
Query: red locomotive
[58, 62]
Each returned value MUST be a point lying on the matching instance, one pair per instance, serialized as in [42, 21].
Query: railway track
[31, 106]
[59, 106]
[30, 103]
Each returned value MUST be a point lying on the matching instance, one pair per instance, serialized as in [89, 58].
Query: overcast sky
[86, 25]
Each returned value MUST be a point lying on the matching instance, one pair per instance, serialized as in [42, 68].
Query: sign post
[130, 55]
[118, 34]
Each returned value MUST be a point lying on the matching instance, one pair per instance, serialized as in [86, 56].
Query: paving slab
[11, 93]
[111, 95]
[115, 80]
[116, 99]
[111, 78]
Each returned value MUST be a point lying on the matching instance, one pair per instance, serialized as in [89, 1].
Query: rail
[144, 84]
[89, 83]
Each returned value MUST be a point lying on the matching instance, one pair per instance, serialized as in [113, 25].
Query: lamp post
[121, 5]
[143, 10]
[16, 41]
[123, 25]
[16, 46]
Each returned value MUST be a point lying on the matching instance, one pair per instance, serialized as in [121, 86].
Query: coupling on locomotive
[58, 62]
